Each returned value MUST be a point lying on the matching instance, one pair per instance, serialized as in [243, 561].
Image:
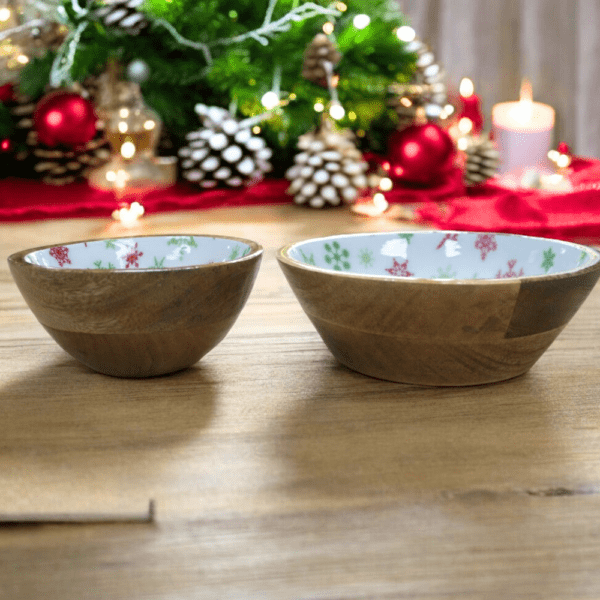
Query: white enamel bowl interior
[153, 252]
[443, 255]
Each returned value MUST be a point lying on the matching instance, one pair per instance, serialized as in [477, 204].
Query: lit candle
[471, 106]
[523, 131]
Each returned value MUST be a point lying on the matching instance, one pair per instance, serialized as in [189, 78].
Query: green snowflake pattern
[548, 261]
[98, 265]
[406, 236]
[336, 255]
[365, 256]
[236, 252]
[183, 241]
[308, 260]
[159, 264]
[110, 244]
[446, 273]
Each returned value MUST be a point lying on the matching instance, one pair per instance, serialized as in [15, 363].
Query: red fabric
[25, 200]
[573, 215]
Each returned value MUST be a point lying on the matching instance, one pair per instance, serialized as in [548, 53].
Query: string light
[128, 150]
[328, 28]
[128, 216]
[4, 14]
[270, 100]
[123, 113]
[22, 59]
[319, 107]
[337, 112]
[406, 33]
[149, 125]
[341, 6]
[256, 130]
[122, 127]
[361, 21]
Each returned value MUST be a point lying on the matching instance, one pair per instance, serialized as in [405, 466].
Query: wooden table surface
[279, 474]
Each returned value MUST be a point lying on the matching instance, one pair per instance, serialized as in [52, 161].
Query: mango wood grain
[280, 474]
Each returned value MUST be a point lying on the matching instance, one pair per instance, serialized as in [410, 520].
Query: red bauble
[64, 119]
[420, 153]
[7, 92]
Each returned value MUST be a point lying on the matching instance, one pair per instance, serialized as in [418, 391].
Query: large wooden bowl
[439, 307]
[138, 306]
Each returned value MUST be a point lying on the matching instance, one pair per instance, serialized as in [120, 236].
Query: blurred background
[553, 43]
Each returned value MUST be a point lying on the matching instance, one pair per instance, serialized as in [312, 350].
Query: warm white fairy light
[123, 113]
[319, 107]
[337, 112]
[270, 100]
[256, 130]
[328, 28]
[563, 160]
[406, 33]
[149, 125]
[361, 21]
[122, 127]
[111, 176]
[385, 185]
[341, 6]
[22, 59]
[465, 126]
[4, 14]
[128, 150]
[128, 216]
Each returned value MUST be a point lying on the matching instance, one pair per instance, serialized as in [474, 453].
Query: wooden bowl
[441, 308]
[138, 306]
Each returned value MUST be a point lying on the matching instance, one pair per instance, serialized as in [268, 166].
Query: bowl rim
[283, 257]
[18, 258]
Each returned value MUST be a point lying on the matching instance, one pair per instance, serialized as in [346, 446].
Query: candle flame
[466, 88]
[523, 111]
[526, 94]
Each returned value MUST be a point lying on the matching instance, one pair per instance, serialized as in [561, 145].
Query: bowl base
[434, 362]
[136, 355]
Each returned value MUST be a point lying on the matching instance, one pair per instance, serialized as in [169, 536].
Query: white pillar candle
[523, 131]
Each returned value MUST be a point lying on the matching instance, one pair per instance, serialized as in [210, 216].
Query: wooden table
[279, 474]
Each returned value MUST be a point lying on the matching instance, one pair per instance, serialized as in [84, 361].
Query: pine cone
[329, 170]
[223, 151]
[59, 166]
[321, 49]
[22, 113]
[427, 87]
[482, 162]
[123, 15]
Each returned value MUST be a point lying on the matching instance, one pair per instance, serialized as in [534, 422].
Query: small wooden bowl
[138, 306]
[440, 308]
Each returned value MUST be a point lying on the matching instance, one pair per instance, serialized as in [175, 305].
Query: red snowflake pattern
[448, 236]
[400, 270]
[486, 243]
[132, 259]
[511, 271]
[61, 254]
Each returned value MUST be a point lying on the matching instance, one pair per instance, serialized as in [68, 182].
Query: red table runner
[573, 215]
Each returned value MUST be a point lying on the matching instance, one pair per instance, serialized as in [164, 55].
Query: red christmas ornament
[563, 148]
[7, 92]
[5, 145]
[64, 119]
[420, 153]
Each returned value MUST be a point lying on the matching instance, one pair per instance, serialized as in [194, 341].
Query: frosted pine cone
[321, 49]
[482, 162]
[123, 15]
[223, 151]
[427, 88]
[329, 170]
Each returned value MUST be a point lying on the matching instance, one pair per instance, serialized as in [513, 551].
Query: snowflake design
[510, 272]
[445, 273]
[133, 257]
[486, 243]
[183, 241]
[400, 269]
[406, 236]
[98, 265]
[61, 254]
[366, 257]
[110, 244]
[308, 260]
[548, 261]
[582, 257]
[159, 264]
[337, 256]
[448, 236]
